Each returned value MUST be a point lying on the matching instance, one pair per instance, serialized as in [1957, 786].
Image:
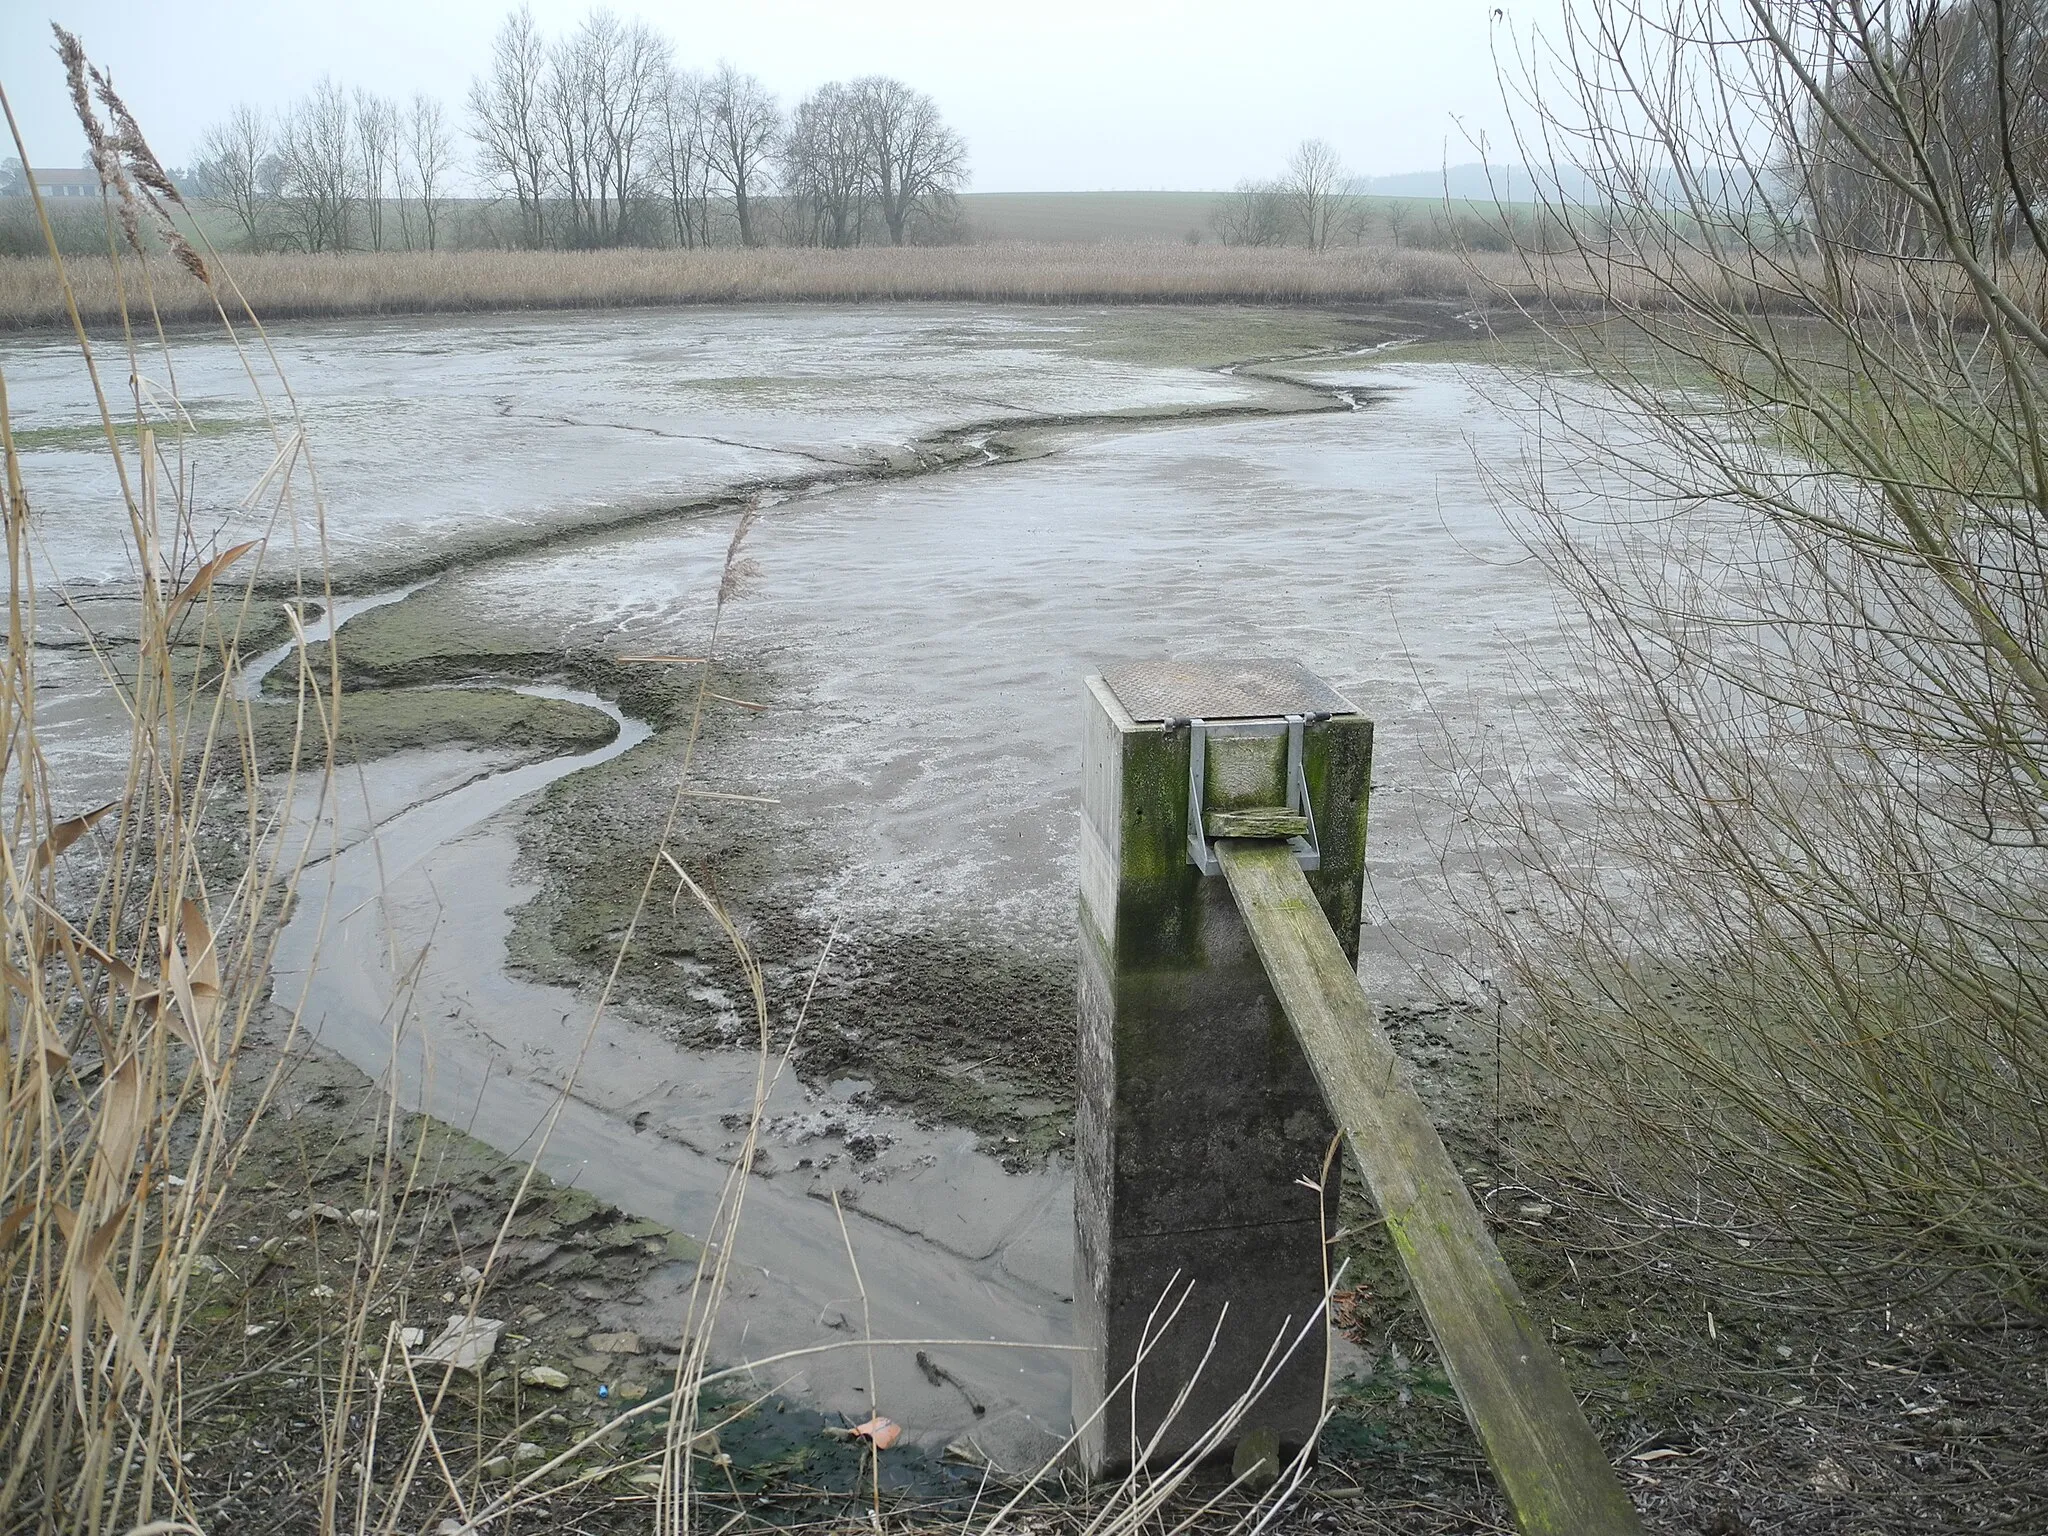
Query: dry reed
[391, 283]
[289, 286]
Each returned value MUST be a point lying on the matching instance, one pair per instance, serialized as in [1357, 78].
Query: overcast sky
[1051, 95]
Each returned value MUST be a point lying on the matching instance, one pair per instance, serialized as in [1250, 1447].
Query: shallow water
[430, 436]
[394, 960]
[934, 634]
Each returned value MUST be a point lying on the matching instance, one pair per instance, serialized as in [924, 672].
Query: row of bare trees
[594, 138]
[333, 171]
[580, 132]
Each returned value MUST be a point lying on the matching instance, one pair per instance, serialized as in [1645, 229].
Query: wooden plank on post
[1551, 1468]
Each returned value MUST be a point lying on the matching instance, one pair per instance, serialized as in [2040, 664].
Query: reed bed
[390, 283]
[290, 286]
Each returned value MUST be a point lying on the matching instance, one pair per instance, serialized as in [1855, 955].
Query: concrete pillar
[1198, 1112]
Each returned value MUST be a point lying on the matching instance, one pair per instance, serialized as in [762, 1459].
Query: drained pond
[948, 518]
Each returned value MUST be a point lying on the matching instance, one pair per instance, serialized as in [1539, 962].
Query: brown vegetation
[280, 286]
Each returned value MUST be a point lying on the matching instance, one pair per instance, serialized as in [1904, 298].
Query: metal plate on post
[1222, 690]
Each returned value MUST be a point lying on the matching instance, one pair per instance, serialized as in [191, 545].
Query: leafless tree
[1315, 179]
[569, 109]
[633, 105]
[1798, 491]
[1400, 214]
[1973, 78]
[914, 161]
[680, 171]
[429, 161]
[825, 170]
[1254, 213]
[744, 128]
[317, 170]
[232, 156]
[508, 121]
[603, 96]
[376, 131]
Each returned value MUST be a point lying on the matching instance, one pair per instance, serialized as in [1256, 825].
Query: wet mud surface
[961, 512]
[440, 440]
[919, 649]
[899, 678]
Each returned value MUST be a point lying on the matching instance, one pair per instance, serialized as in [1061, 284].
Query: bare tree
[1400, 214]
[429, 159]
[601, 98]
[1797, 949]
[1974, 78]
[914, 161]
[1255, 213]
[232, 156]
[376, 128]
[825, 169]
[508, 123]
[571, 104]
[743, 129]
[317, 170]
[1315, 178]
[680, 170]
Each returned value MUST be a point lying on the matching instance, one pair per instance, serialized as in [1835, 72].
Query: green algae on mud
[426, 640]
[376, 723]
[959, 1028]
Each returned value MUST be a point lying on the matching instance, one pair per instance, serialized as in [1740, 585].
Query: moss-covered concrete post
[1198, 1114]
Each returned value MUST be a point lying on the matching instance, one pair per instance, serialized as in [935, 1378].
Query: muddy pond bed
[956, 514]
[951, 515]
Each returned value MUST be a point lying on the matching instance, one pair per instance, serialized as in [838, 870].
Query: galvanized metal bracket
[1308, 851]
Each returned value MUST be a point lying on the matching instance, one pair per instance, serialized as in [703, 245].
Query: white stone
[465, 1343]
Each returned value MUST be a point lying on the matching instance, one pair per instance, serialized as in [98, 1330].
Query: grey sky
[1050, 94]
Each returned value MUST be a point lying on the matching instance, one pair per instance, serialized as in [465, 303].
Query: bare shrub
[1793, 944]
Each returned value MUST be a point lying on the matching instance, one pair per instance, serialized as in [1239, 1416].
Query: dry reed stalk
[287, 286]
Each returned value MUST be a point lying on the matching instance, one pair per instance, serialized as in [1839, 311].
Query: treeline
[595, 139]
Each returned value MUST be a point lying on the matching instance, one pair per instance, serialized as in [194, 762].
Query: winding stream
[394, 959]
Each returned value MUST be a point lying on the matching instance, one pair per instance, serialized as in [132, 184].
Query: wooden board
[1551, 1468]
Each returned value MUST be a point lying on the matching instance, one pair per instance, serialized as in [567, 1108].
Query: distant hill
[1477, 183]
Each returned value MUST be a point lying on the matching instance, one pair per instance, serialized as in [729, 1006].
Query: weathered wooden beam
[1551, 1468]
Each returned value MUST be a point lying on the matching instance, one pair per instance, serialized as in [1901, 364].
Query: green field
[1061, 217]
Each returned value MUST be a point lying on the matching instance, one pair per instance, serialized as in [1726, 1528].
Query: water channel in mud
[918, 619]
